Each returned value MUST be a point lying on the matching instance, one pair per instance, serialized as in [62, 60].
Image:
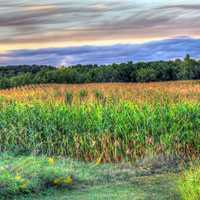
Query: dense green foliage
[189, 184]
[124, 72]
[109, 132]
[10, 71]
[32, 174]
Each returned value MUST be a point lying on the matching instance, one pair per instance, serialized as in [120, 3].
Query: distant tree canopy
[13, 76]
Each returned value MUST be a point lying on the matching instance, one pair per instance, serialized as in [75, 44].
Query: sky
[69, 32]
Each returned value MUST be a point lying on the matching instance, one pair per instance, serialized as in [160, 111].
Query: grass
[148, 188]
[90, 181]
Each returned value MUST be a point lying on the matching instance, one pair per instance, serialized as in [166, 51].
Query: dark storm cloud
[160, 50]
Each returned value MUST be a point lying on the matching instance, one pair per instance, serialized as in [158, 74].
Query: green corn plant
[83, 95]
[112, 132]
[99, 96]
[68, 98]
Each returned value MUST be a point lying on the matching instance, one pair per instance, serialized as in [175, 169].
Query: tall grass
[103, 131]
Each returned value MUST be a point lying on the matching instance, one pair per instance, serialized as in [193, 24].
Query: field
[106, 123]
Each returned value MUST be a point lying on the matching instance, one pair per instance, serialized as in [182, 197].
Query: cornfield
[105, 122]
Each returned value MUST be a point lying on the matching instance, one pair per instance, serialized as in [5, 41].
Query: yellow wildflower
[24, 185]
[18, 178]
[51, 161]
[98, 161]
[68, 180]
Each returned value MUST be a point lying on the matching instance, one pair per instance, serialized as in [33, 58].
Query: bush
[189, 184]
[32, 174]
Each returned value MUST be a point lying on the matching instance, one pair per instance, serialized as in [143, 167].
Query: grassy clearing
[90, 181]
[148, 188]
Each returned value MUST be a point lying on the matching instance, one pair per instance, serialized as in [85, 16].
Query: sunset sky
[68, 32]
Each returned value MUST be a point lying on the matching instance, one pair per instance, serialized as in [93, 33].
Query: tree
[145, 75]
[186, 68]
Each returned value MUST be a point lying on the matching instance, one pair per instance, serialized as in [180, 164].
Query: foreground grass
[90, 180]
[160, 187]
[189, 184]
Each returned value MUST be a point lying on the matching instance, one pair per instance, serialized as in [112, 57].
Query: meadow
[102, 123]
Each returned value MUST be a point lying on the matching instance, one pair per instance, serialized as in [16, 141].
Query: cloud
[159, 50]
[182, 6]
[30, 24]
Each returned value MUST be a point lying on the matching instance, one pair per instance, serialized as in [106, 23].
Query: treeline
[10, 71]
[125, 72]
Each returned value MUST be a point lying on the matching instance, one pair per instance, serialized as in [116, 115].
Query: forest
[186, 69]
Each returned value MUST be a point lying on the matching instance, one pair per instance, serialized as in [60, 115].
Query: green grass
[90, 181]
[161, 187]
[105, 181]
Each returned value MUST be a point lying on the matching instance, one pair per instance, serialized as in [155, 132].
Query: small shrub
[32, 174]
[189, 184]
